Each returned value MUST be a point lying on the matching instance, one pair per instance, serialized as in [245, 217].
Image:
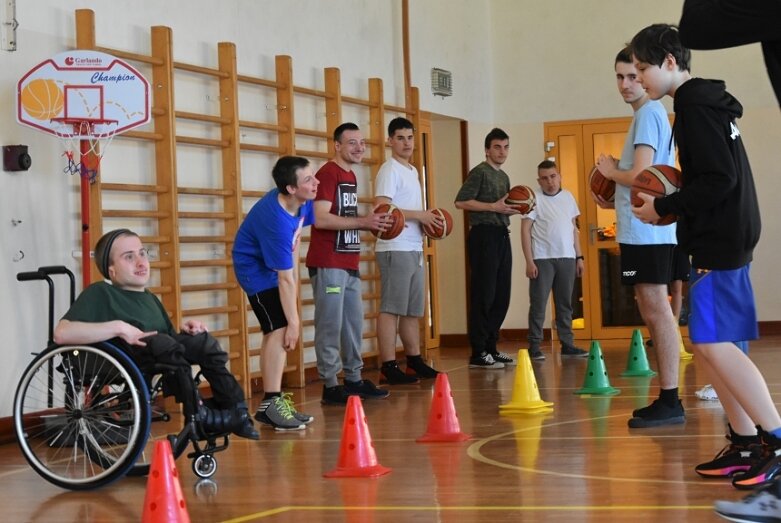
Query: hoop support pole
[84, 147]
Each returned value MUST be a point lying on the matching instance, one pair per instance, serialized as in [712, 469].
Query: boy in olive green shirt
[126, 313]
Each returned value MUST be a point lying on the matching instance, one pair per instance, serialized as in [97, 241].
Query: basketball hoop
[89, 138]
[83, 97]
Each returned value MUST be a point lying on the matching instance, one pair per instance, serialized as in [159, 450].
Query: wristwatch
[579, 258]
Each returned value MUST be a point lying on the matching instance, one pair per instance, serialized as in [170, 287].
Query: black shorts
[682, 267]
[646, 263]
[268, 309]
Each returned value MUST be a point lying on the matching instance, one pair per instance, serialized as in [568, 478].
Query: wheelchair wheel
[81, 415]
[204, 466]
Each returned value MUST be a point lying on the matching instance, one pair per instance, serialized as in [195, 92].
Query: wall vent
[441, 82]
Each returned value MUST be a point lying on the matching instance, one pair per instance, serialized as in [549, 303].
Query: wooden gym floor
[578, 464]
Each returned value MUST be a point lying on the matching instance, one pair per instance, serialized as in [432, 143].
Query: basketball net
[84, 143]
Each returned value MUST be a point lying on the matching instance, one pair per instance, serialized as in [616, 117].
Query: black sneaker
[657, 414]
[335, 395]
[735, 458]
[570, 351]
[536, 354]
[767, 466]
[392, 375]
[501, 357]
[484, 361]
[365, 389]
[418, 368]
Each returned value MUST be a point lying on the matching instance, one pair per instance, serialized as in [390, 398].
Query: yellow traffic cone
[684, 355]
[596, 381]
[526, 396]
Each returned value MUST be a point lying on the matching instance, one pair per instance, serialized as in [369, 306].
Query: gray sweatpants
[557, 274]
[338, 324]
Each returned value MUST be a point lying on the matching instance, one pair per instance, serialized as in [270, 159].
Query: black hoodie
[718, 213]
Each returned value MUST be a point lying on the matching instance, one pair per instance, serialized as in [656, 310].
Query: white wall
[516, 64]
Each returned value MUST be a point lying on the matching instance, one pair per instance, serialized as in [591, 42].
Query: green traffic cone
[596, 381]
[637, 364]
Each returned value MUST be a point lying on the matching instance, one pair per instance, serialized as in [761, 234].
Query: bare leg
[657, 315]
[742, 385]
[386, 335]
[738, 418]
[409, 330]
[272, 360]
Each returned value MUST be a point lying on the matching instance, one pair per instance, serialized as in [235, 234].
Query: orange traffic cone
[442, 419]
[526, 396]
[356, 452]
[164, 502]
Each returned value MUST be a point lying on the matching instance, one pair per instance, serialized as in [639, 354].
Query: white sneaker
[761, 505]
[707, 393]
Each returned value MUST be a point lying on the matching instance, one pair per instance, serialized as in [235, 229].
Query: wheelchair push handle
[55, 269]
[29, 276]
[43, 274]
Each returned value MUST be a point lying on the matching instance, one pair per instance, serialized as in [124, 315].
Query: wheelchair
[84, 415]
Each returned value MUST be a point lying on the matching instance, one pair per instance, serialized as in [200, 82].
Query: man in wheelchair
[130, 316]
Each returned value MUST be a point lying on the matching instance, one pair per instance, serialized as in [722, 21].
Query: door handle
[592, 232]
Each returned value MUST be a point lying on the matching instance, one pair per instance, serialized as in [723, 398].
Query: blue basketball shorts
[722, 307]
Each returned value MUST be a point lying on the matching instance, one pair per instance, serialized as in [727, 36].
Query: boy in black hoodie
[718, 226]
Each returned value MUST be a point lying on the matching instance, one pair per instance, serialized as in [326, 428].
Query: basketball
[658, 181]
[438, 233]
[42, 99]
[601, 186]
[397, 221]
[522, 198]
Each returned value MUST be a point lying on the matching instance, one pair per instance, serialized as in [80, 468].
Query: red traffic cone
[442, 419]
[356, 452]
[164, 502]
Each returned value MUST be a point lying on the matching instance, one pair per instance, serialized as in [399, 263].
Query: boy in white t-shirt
[551, 247]
[401, 259]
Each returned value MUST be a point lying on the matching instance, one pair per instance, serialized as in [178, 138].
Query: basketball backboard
[83, 85]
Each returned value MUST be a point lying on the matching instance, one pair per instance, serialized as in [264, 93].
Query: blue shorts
[722, 306]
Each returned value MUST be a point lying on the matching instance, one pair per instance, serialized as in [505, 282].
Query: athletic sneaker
[570, 351]
[365, 389]
[536, 354]
[418, 368]
[276, 412]
[733, 459]
[484, 361]
[767, 466]
[764, 504]
[335, 395]
[707, 393]
[501, 357]
[392, 375]
[306, 419]
[657, 414]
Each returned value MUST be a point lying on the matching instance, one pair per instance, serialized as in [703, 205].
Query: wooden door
[607, 308]
[431, 317]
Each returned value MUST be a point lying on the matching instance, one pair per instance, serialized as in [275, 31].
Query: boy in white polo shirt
[551, 247]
